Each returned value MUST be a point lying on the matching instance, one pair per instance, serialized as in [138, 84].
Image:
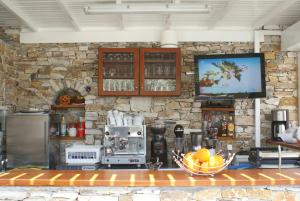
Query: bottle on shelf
[230, 127]
[223, 127]
[63, 127]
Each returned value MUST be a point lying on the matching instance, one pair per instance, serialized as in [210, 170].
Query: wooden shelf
[66, 138]
[160, 61]
[226, 138]
[117, 61]
[284, 144]
[226, 109]
[117, 78]
[171, 77]
[57, 107]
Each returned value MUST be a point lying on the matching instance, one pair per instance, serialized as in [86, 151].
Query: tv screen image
[230, 76]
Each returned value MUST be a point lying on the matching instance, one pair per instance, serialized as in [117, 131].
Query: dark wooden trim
[57, 107]
[217, 109]
[284, 144]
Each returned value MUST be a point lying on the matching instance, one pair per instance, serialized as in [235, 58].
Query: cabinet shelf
[117, 61]
[161, 77]
[117, 78]
[160, 61]
[226, 138]
[57, 107]
[217, 109]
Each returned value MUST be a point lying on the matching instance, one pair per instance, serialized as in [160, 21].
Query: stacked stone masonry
[42, 70]
[150, 194]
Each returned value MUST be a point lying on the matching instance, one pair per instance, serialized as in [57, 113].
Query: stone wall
[45, 69]
[150, 194]
[282, 83]
[9, 44]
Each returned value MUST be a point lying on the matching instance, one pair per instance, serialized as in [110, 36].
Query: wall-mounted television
[230, 76]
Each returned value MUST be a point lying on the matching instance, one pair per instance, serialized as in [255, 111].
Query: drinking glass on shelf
[125, 85]
[106, 85]
[151, 85]
[120, 85]
[123, 57]
[146, 72]
[159, 70]
[172, 70]
[167, 69]
[113, 72]
[131, 85]
[110, 56]
[148, 56]
[114, 85]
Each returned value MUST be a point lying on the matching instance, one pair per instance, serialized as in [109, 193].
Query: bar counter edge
[148, 178]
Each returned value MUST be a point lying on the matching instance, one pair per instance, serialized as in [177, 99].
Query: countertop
[148, 178]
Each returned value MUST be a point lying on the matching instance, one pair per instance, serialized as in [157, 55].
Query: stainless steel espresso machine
[124, 145]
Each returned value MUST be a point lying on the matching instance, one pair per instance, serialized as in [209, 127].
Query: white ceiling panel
[69, 15]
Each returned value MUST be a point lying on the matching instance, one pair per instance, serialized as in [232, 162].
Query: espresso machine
[124, 145]
[280, 122]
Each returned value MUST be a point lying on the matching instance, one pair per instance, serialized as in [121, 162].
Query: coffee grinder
[280, 122]
[159, 143]
[179, 139]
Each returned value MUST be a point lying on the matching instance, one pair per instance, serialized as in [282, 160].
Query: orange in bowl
[219, 161]
[202, 155]
[215, 162]
[190, 163]
[204, 167]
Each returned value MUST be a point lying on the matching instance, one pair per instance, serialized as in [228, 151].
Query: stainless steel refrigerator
[27, 140]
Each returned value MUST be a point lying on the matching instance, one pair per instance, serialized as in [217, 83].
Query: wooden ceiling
[68, 15]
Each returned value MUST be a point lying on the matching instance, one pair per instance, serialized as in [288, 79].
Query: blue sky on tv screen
[229, 75]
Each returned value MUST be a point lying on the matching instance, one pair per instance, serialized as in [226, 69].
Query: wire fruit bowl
[196, 169]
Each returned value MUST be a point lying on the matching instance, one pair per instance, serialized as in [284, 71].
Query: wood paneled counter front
[146, 178]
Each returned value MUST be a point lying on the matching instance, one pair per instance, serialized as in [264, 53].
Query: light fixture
[168, 38]
[146, 8]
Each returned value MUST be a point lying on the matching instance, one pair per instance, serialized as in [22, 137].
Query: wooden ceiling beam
[274, 12]
[18, 13]
[219, 16]
[68, 14]
[168, 22]
[122, 22]
[121, 17]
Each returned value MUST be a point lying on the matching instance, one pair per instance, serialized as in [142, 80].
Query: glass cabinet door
[118, 71]
[160, 71]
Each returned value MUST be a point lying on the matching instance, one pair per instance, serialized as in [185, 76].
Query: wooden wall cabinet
[118, 72]
[139, 72]
[160, 71]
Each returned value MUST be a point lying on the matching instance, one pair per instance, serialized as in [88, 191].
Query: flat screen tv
[230, 76]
